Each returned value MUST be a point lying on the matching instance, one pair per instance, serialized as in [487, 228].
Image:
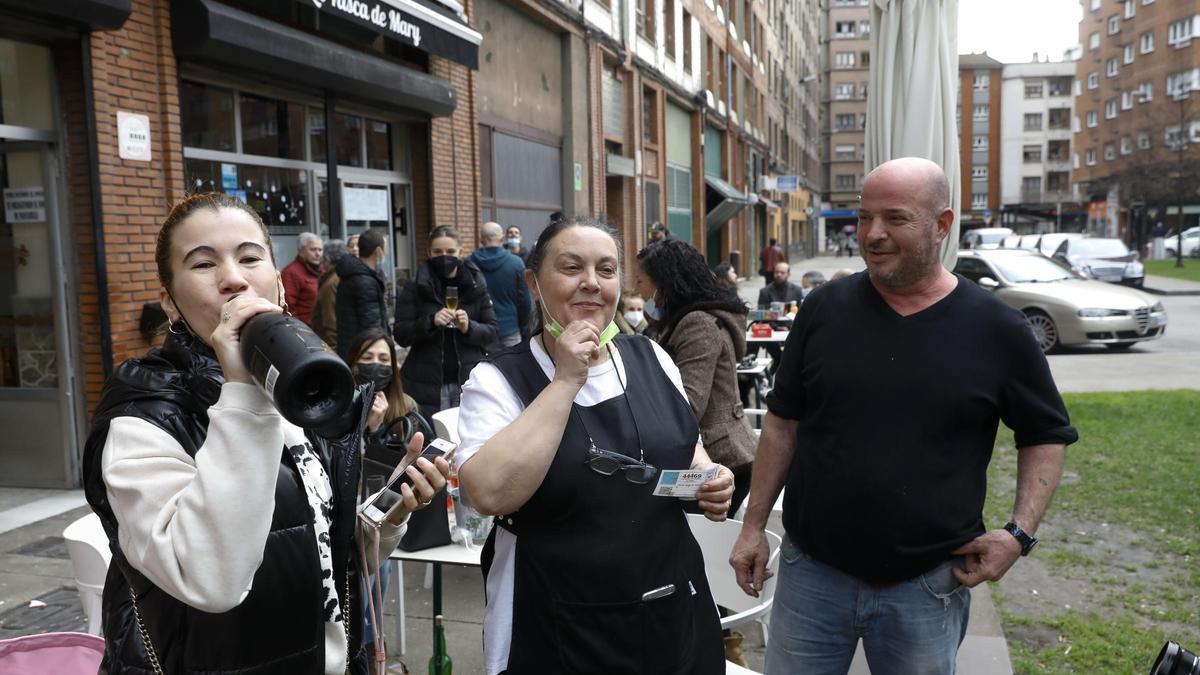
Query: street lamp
[1182, 97]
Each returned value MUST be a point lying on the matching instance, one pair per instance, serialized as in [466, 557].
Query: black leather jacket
[279, 626]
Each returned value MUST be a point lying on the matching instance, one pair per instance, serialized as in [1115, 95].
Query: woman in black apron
[562, 437]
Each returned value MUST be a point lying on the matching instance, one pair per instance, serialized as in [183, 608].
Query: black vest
[279, 626]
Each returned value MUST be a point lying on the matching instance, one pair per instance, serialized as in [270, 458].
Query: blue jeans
[820, 613]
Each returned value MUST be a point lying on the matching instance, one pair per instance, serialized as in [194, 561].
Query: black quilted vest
[279, 626]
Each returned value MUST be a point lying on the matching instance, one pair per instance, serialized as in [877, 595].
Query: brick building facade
[236, 97]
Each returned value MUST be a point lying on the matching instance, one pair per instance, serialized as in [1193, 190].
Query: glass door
[369, 206]
[39, 445]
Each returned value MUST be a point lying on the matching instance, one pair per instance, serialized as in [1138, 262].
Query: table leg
[398, 575]
[437, 608]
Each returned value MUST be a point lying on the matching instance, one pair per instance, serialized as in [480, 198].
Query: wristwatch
[1027, 542]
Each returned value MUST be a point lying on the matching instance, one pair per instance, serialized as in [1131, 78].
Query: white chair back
[90, 556]
[445, 424]
[716, 542]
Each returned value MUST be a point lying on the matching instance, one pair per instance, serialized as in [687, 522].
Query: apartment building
[979, 110]
[1137, 114]
[1035, 153]
[847, 62]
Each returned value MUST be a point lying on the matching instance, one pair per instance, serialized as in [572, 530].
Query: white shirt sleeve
[196, 526]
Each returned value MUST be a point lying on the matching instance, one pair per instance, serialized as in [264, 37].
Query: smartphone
[377, 506]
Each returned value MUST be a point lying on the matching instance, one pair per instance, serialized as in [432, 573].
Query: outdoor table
[450, 554]
[777, 336]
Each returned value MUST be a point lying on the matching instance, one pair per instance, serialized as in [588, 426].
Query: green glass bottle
[439, 663]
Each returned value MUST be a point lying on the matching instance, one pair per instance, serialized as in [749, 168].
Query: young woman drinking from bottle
[234, 533]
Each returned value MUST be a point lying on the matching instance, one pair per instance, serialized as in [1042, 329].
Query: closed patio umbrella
[913, 92]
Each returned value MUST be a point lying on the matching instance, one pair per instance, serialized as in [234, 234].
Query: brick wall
[133, 70]
[454, 156]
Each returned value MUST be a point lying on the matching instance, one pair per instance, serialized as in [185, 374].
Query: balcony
[1047, 196]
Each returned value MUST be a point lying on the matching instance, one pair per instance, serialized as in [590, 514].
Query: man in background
[772, 254]
[781, 289]
[301, 276]
[505, 275]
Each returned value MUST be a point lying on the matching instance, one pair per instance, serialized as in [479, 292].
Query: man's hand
[988, 557]
[749, 560]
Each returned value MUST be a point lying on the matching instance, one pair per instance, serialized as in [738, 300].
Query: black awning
[722, 201]
[209, 31]
[95, 14]
[425, 24]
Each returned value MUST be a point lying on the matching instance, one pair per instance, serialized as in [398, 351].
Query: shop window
[272, 128]
[348, 132]
[278, 195]
[379, 145]
[208, 117]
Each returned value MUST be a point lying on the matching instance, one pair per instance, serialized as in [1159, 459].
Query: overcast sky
[1012, 30]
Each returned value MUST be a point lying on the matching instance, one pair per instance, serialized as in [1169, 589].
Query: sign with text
[787, 183]
[24, 205]
[409, 23]
[133, 136]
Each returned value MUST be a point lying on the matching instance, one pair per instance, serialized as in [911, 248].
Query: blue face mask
[652, 309]
[512, 243]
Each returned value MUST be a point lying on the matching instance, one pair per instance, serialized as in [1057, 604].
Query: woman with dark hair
[234, 532]
[372, 358]
[702, 324]
[563, 436]
[445, 315]
[726, 276]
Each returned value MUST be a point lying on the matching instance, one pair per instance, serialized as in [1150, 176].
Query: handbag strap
[374, 594]
[150, 651]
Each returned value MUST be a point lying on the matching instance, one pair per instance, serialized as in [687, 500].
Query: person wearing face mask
[563, 436]
[360, 303]
[445, 344]
[631, 315]
[512, 243]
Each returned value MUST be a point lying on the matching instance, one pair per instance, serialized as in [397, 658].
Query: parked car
[985, 237]
[1029, 242]
[1061, 307]
[1191, 243]
[1103, 259]
[1048, 243]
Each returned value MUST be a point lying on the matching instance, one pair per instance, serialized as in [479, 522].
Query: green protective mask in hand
[555, 329]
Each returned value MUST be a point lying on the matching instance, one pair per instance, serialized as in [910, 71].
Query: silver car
[1061, 307]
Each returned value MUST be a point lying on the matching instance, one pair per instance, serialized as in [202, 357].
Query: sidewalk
[1170, 286]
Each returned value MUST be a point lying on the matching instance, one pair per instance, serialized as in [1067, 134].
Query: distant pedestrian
[843, 272]
[659, 232]
[726, 275]
[512, 243]
[300, 278]
[352, 245]
[445, 315]
[881, 425]
[360, 302]
[505, 274]
[780, 289]
[324, 316]
[810, 281]
[770, 256]
[631, 314]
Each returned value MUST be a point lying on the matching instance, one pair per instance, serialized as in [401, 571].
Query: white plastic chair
[716, 541]
[445, 424]
[88, 545]
[732, 668]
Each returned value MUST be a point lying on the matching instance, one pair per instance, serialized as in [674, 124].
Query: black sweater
[897, 420]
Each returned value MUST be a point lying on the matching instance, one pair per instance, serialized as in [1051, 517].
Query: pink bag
[59, 653]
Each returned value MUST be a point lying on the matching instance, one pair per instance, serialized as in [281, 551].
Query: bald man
[505, 275]
[881, 424]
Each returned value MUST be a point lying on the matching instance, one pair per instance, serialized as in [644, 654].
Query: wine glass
[452, 298]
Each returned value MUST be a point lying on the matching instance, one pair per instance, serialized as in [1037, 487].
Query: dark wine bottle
[310, 385]
[439, 663]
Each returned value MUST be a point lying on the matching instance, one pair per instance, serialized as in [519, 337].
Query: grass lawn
[1121, 543]
[1166, 268]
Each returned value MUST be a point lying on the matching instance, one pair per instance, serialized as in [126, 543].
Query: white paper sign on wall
[133, 136]
[24, 205]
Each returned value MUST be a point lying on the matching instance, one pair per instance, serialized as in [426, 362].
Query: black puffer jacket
[279, 626]
[360, 302]
[420, 299]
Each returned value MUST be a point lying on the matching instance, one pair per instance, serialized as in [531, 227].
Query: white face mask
[634, 318]
[652, 309]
